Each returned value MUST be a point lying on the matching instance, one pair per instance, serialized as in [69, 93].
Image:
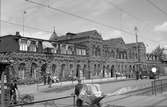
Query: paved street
[108, 88]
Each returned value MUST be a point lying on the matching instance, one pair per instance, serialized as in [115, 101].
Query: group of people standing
[49, 79]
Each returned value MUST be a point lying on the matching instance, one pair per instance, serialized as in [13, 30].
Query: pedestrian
[49, 79]
[116, 74]
[140, 75]
[44, 79]
[77, 91]
[12, 91]
[137, 75]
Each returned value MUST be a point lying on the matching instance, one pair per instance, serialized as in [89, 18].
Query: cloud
[111, 34]
[161, 28]
[39, 35]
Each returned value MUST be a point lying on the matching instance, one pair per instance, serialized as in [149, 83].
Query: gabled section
[115, 42]
[54, 36]
[141, 44]
[88, 34]
[91, 34]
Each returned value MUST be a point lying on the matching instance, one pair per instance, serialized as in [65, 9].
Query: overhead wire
[157, 7]
[123, 10]
[126, 12]
[74, 15]
[17, 24]
[80, 17]
[88, 19]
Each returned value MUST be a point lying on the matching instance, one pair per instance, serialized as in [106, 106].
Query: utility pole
[2, 90]
[23, 20]
[0, 17]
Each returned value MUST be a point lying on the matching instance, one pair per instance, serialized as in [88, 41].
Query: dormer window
[23, 45]
[32, 47]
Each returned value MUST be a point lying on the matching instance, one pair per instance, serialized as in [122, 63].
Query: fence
[159, 86]
[67, 101]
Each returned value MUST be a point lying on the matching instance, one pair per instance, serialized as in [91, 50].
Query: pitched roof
[92, 33]
[115, 42]
[135, 44]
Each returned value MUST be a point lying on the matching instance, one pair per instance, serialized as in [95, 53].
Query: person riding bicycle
[12, 89]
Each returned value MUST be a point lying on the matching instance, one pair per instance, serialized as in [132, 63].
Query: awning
[47, 45]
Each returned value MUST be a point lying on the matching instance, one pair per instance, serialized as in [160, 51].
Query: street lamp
[137, 48]
[154, 70]
[25, 12]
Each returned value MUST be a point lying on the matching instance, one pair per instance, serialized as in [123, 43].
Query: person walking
[12, 91]
[77, 91]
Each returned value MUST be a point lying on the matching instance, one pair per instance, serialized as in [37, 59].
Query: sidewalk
[36, 88]
[108, 85]
[41, 87]
[136, 101]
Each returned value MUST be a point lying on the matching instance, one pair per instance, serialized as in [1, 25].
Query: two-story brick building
[83, 54]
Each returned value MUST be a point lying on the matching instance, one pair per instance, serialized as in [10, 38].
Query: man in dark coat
[12, 91]
[78, 89]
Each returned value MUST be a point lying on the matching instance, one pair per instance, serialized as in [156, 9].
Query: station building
[74, 55]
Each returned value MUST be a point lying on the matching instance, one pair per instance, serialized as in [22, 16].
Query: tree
[158, 51]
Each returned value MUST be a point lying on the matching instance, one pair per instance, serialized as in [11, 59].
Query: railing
[67, 101]
[159, 86]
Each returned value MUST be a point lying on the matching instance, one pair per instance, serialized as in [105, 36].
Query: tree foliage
[158, 51]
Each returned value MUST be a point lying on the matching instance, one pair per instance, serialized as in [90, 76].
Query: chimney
[18, 34]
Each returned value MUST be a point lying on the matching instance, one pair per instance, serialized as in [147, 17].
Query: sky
[111, 18]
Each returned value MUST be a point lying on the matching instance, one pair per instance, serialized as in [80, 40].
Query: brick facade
[85, 55]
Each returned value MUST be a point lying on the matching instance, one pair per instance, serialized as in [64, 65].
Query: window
[83, 52]
[80, 51]
[32, 46]
[63, 48]
[23, 44]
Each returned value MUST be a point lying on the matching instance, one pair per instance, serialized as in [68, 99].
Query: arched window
[22, 70]
[43, 69]
[84, 70]
[33, 72]
[112, 54]
[54, 69]
[93, 50]
[62, 73]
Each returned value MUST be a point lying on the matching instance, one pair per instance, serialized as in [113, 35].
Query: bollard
[155, 87]
[152, 87]
[161, 87]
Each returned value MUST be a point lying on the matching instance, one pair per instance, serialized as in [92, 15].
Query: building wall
[8, 44]
[102, 59]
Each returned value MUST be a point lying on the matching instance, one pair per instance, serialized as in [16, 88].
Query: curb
[68, 86]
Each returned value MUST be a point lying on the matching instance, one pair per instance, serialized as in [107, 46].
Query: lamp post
[154, 70]
[24, 12]
[137, 48]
